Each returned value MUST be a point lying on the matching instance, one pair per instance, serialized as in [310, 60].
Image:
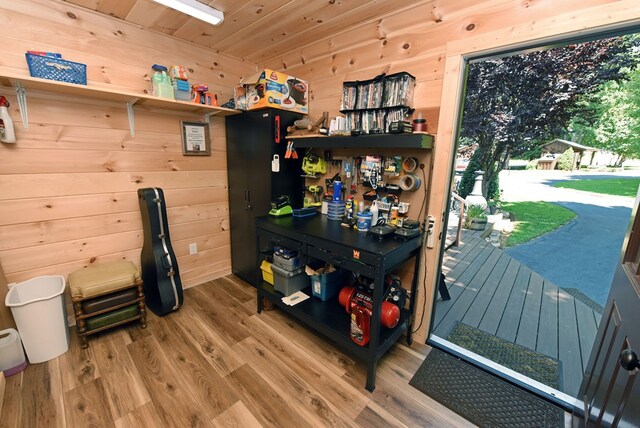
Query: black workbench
[326, 240]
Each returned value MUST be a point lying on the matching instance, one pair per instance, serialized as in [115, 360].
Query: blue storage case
[46, 67]
[183, 85]
[327, 285]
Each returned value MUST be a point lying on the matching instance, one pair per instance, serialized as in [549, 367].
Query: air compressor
[360, 305]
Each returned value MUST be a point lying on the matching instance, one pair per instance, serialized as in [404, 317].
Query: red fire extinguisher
[360, 305]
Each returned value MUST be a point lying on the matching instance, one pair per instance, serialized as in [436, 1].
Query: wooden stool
[105, 296]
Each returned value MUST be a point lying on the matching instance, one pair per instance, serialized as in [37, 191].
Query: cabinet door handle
[277, 120]
[247, 194]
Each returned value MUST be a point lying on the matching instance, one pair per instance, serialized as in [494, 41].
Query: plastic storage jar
[12, 359]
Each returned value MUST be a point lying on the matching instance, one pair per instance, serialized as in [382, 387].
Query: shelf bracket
[207, 117]
[131, 116]
[21, 94]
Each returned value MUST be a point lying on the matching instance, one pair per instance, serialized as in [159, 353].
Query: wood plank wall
[68, 187]
[415, 39]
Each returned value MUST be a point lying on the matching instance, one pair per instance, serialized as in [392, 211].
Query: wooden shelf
[107, 94]
[417, 140]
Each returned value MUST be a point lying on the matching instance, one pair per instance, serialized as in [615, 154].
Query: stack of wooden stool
[105, 296]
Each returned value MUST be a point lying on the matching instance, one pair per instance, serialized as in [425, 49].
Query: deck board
[495, 293]
[568, 342]
[548, 326]
[587, 329]
[469, 294]
[530, 317]
[510, 321]
[479, 307]
[458, 287]
[491, 319]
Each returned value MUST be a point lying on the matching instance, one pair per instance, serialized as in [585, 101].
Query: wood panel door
[611, 388]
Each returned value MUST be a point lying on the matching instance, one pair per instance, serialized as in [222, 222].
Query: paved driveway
[583, 253]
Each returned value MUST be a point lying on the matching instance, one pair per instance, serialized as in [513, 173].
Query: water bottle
[7, 133]
[374, 213]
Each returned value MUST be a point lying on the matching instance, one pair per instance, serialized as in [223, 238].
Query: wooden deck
[495, 293]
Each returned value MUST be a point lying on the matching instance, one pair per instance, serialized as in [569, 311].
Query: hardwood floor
[217, 363]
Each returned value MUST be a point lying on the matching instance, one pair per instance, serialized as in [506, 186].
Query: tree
[618, 126]
[610, 118]
[515, 103]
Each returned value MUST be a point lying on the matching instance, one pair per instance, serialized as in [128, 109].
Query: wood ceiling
[255, 30]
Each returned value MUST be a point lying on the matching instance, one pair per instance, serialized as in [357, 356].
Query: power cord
[423, 254]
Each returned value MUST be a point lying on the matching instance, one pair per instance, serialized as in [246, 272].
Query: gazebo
[553, 149]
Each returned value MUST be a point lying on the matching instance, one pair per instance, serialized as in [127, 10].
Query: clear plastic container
[12, 359]
[161, 82]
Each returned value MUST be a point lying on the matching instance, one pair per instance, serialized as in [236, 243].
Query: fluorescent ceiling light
[196, 9]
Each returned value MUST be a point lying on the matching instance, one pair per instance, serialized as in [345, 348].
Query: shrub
[532, 165]
[469, 177]
[565, 161]
[474, 212]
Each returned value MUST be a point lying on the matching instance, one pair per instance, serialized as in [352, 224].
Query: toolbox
[267, 273]
[290, 263]
[289, 282]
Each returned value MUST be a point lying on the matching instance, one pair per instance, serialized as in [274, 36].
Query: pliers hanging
[291, 151]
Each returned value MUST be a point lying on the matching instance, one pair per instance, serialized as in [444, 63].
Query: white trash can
[38, 310]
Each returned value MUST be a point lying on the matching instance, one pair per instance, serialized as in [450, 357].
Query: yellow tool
[313, 165]
[316, 191]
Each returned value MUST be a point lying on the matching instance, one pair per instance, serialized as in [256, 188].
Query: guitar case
[162, 285]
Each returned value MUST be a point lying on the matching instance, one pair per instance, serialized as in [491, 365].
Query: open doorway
[526, 299]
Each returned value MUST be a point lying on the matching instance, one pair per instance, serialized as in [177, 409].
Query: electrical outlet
[431, 225]
[193, 249]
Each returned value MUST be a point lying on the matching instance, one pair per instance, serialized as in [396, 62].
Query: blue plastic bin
[327, 285]
[46, 67]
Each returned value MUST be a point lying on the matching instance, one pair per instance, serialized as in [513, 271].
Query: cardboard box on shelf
[271, 88]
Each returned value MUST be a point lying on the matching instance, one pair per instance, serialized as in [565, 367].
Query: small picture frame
[195, 139]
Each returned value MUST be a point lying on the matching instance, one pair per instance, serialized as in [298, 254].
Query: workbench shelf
[320, 238]
[332, 320]
[416, 140]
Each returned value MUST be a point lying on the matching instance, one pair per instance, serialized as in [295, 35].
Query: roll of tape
[410, 164]
[409, 183]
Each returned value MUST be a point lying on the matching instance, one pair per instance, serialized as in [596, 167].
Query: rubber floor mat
[480, 397]
[523, 360]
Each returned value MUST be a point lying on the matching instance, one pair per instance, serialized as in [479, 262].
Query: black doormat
[480, 397]
[523, 360]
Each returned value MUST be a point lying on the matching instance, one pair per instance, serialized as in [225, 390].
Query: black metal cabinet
[321, 238]
[253, 138]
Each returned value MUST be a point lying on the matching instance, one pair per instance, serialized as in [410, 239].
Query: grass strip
[533, 219]
[611, 186]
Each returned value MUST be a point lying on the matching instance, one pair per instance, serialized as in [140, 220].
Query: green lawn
[611, 186]
[534, 219]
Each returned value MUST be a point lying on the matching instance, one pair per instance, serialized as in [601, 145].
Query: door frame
[583, 25]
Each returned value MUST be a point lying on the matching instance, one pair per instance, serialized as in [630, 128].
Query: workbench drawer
[343, 260]
[269, 240]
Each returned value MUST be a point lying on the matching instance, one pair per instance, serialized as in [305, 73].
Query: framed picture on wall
[195, 139]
